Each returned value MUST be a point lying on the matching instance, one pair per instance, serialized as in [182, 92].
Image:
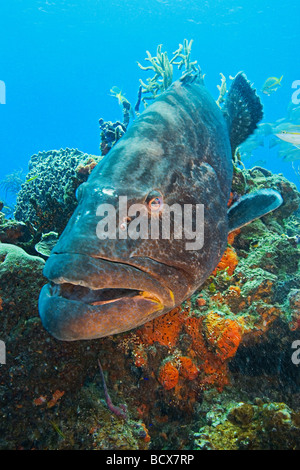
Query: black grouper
[179, 151]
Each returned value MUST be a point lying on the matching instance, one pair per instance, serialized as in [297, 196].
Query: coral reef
[12, 231]
[293, 301]
[110, 134]
[222, 90]
[87, 167]
[249, 304]
[247, 426]
[48, 201]
[230, 341]
[162, 79]
[41, 386]
[168, 375]
[163, 73]
[163, 69]
[15, 263]
[47, 242]
[213, 373]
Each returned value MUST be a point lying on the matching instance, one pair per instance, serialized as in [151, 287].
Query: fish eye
[154, 201]
[78, 192]
[124, 223]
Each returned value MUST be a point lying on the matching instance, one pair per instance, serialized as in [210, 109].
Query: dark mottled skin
[179, 146]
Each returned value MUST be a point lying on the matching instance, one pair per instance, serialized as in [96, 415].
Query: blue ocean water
[59, 60]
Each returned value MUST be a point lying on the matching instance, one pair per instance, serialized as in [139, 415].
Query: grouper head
[108, 273]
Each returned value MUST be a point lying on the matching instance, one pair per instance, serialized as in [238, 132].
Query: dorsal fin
[252, 206]
[242, 110]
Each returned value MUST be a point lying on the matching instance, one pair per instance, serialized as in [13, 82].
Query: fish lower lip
[97, 296]
[70, 317]
[70, 273]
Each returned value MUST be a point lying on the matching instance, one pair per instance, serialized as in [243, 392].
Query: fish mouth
[89, 298]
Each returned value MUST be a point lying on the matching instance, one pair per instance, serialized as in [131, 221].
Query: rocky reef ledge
[216, 372]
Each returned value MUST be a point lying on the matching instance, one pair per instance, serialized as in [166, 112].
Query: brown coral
[87, 167]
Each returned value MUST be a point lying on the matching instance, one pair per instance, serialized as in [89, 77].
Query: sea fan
[12, 183]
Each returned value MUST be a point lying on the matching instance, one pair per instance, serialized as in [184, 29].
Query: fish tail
[242, 110]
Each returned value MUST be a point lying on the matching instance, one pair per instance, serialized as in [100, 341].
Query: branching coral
[183, 53]
[162, 79]
[163, 69]
[222, 89]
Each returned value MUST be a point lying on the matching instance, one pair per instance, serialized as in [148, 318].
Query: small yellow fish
[57, 429]
[118, 94]
[31, 179]
[271, 85]
[291, 137]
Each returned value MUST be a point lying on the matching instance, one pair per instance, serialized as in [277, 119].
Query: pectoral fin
[252, 206]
